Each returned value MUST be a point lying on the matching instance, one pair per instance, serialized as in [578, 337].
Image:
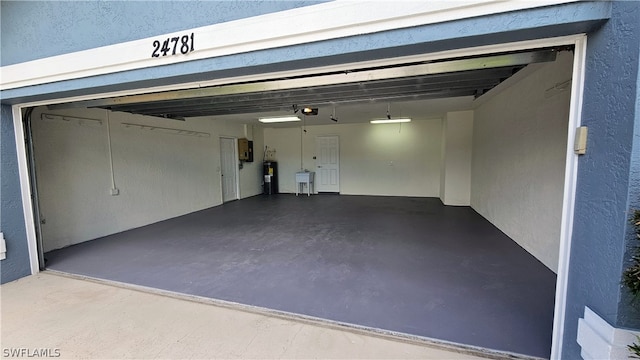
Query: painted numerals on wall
[173, 46]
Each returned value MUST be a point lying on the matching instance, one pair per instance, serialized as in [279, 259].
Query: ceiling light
[310, 111]
[277, 119]
[390, 121]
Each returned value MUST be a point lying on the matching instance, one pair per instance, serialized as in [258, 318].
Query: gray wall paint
[629, 316]
[16, 265]
[51, 28]
[601, 223]
[513, 26]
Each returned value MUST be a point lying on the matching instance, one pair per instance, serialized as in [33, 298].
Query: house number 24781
[173, 46]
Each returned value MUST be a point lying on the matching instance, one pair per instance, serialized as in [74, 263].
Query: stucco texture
[159, 175]
[80, 25]
[519, 150]
[374, 160]
[631, 316]
[605, 174]
[514, 26]
[16, 265]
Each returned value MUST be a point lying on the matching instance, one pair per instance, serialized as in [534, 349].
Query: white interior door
[228, 169]
[327, 164]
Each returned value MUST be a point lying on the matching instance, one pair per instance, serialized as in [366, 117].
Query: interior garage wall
[455, 167]
[287, 144]
[251, 173]
[159, 175]
[387, 159]
[519, 147]
[250, 176]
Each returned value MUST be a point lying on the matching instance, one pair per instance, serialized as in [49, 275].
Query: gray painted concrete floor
[80, 319]
[409, 265]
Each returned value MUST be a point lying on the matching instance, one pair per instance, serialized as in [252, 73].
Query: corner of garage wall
[251, 172]
[519, 150]
[16, 264]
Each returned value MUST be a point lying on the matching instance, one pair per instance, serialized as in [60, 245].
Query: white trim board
[568, 201]
[600, 341]
[284, 28]
[25, 188]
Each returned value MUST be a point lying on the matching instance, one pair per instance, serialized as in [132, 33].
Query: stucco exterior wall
[630, 317]
[16, 265]
[514, 26]
[49, 28]
[605, 174]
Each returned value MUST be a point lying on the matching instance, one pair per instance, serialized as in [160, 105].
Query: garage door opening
[490, 140]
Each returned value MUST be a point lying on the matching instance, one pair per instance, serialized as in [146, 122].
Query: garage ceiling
[444, 79]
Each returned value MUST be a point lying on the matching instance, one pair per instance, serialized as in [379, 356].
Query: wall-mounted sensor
[3, 247]
[580, 144]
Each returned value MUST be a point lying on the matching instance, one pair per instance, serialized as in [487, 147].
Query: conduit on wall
[114, 190]
[70, 119]
[302, 131]
[166, 130]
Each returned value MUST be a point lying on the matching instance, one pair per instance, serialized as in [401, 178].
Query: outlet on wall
[115, 192]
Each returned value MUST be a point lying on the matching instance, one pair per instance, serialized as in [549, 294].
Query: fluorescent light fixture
[390, 121]
[277, 119]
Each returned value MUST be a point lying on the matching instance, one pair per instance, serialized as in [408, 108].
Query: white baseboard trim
[600, 341]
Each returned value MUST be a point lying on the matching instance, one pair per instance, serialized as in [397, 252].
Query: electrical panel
[245, 150]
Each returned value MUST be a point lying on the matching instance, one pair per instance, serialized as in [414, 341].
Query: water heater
[270, 173]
